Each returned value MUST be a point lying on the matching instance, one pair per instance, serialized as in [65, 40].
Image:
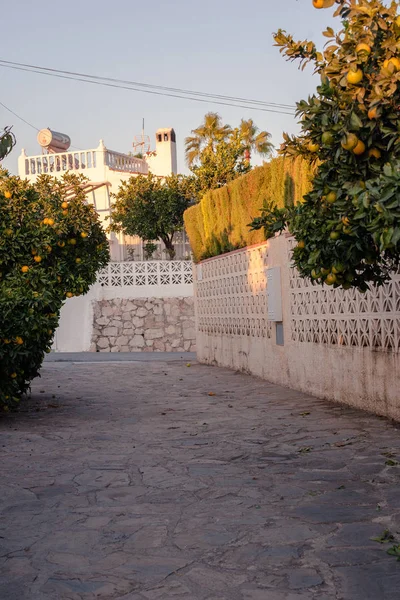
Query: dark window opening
[165, 137]
[159, 137]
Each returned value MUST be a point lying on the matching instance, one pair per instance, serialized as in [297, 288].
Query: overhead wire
[180, 93]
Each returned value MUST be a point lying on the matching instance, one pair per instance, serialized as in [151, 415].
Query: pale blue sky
[218, 46]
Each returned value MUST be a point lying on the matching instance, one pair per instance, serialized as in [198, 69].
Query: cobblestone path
[159, 481]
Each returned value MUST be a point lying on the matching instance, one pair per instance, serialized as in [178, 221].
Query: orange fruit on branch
[372, 113]
[37, 259]
[25, 269]
[350, 141]
[312, 147]
[363, 47]
[359, 149]
[394, 62]
[375, 153]
[323, 3]
[354, 77]
[7, 194]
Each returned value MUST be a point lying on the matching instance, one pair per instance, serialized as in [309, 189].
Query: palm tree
[207, 135]
[254, 140]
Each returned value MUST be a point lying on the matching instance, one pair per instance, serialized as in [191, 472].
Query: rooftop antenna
[141, 143]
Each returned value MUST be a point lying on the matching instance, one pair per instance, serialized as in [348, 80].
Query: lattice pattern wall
[124, 274]
[231, 294]
[347, 318]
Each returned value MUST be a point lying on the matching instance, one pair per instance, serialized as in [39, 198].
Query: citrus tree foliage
[217, 154]
[152, 208]
[50, 250]
[7, 142]
[348, 228]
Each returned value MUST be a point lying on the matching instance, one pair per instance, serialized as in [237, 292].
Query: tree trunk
[169, 246]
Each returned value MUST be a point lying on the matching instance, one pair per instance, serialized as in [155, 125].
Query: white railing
[60, 162]
[117, 161]
[149, 273]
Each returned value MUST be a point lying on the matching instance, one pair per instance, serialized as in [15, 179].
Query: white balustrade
[117, 161]
[146, 273]
[60, 162]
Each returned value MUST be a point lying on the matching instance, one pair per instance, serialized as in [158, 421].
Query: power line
[152, 86]
[27, 122]
[149, 89]
[18, 117]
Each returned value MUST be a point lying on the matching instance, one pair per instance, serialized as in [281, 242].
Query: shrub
[219, 223]
[50, 248]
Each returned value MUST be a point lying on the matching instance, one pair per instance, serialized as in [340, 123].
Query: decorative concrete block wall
[144, 325]
[339, 345]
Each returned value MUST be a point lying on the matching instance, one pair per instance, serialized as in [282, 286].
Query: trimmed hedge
[219, 222]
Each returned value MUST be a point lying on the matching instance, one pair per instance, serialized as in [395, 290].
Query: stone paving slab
[151, 480]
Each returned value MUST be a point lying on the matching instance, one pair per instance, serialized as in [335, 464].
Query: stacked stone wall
[144, 325]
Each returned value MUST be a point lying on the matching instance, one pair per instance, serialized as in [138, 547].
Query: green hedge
[219, 223]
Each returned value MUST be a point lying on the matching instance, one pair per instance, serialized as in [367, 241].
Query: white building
[105, 170]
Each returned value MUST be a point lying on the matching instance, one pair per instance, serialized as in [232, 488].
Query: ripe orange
[330, 279]
[7, 194]
[8, 231]
[13, 375]
[61, 244]
[394, 62]
[323, 3]
[65, 212]
[24, 269]
[49, 248]
[72, 241]
[34, 251]
[301, 245]
[374, 152]
[37, 259]
[313, 147]
[50, 221]
[359, 149]
[354, 77]
[69, 294]
[6, 341]
[84, 234]
[350, 141]
[64, 205]
[19, 340]
[363, 47]
[78, 260]
[372, 113]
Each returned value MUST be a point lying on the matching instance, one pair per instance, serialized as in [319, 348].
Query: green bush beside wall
[219, 222]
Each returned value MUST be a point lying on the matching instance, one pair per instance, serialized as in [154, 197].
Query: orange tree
[50, 249]
[348, 227]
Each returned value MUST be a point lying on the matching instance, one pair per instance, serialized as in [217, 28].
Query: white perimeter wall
[339, 345]
[123, 280]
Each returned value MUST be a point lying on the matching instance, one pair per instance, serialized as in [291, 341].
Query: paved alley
[161, 479]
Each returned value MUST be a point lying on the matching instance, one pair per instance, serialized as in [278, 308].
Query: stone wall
[144, 325]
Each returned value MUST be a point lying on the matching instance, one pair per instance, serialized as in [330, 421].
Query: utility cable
[206, 98]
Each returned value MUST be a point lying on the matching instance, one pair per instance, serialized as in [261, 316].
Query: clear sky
[218, 46]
